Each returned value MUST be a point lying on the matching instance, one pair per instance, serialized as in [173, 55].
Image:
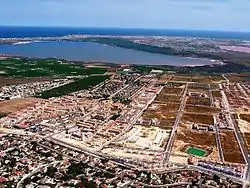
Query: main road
[177, 121]
[238, 135]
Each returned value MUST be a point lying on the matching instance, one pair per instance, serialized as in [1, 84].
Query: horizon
[215, 15]
[123, 28]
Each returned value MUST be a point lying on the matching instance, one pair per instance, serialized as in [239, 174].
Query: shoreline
[6, 56]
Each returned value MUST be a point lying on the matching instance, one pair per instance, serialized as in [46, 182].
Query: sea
[20, 32]
[92, 52]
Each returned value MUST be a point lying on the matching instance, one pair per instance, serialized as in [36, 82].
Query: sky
[227, 15]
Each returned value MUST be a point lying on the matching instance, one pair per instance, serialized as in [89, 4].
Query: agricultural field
[44, 68]
[198, 118]
[73, 87]
[230, 147]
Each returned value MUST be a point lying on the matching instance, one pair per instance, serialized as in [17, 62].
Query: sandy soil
[15, 105]
[185, 136]
[230, 147]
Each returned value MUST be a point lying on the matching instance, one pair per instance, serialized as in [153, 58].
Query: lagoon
[93, 52]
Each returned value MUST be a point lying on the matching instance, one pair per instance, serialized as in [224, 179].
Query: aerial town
[132, 129]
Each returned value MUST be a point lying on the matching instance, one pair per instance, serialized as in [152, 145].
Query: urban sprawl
[131, 130]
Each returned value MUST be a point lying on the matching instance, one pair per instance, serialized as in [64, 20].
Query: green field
[73, 87]
[44, 67]
[196, 151]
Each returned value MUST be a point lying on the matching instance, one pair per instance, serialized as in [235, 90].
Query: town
[132, 129]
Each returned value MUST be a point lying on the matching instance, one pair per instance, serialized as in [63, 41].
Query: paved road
[218, 141]
[238, 135]
[19, 184]
[177, 121]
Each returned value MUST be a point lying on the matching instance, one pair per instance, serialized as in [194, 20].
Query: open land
[125, 128]
[230, 147]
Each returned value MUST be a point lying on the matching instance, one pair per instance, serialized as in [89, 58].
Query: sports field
[196, 151]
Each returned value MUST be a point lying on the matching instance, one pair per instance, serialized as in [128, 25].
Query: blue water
[92, 52]
[19, 32]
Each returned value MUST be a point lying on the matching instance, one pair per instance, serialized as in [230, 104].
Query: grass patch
[196, 151]
[73, 87]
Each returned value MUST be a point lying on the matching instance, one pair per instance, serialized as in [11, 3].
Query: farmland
[44, 68]
[73, 87]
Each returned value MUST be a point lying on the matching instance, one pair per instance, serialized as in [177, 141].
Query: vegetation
[73, 87]
[2, 115]
[44, 67]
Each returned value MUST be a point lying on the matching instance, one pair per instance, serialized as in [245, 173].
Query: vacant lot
[199, 101]
[206, 141]
[15, 105]
[238, 77]
[162, 98]
[245, 117]
[172, 90]
[216, 94]
[230, 147]
[247, 140]
[201, 109]
[198, 118]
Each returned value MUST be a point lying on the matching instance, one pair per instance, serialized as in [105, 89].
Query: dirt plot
[188, 137]
[247, 140]
[166, 119]
[238, 77]
[198, 86]
[198, 139]
[163, 79]
[201, 91]
[198, 118]
[199, 101]
[172, 90]
[15, 105]
[162, 98]
[245, 117]
[216, 94]
[201, 109]
[168, 107]
[201, 79]
[179, 78]
[230, 147]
